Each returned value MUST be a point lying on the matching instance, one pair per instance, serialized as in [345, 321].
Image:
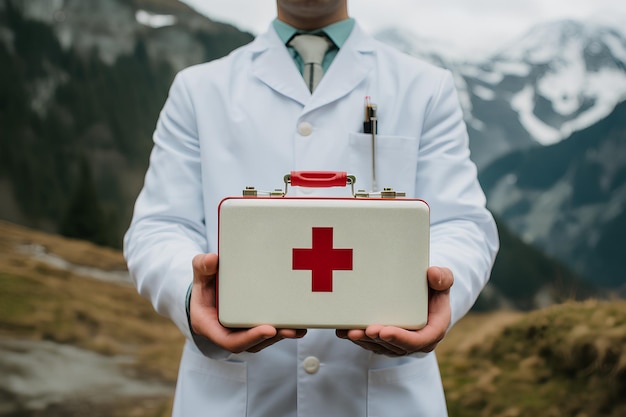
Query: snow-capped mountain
[85, 80]
[428, 49]
[169, 29]
[547, 121]
[575, 75]
[559, 78]
[569, 198]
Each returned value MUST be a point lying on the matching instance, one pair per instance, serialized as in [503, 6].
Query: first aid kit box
[310, 262]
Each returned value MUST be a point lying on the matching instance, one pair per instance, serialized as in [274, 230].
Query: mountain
[569, 198]
[559, 78]
[525, 278]
[81, 86]
[405, 41]
[79, 101]
[547, 122]
[171, 30]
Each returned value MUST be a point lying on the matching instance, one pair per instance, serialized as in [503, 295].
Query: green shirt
[337, 32]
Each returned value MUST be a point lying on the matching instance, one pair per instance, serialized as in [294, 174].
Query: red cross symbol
[322, 259]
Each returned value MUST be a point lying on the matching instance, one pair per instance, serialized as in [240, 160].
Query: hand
[204, 319]
[394, 341]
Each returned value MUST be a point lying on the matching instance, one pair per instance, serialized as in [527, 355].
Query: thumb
[204, 265]
[439, 278]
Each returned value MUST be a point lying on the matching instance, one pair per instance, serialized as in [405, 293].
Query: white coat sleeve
[167, 229]
[464, 237]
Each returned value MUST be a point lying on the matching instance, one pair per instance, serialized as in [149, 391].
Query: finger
[292, 333]
[232, 340]
[281, 335]
[342, 333]
[415, 341]
[439, 278]
[205, 264]
[204, 320]
[266, 343]
[356, 334]
[369, 339]
[378, 348]
[202, 301]
[368, 345]
[358, 337]
[374, 333]
[237, 341]
[439, 316]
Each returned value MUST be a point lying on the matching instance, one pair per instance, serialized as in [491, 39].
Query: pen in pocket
[370, 125]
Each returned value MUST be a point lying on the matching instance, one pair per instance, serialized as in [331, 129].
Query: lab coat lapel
[351, 66]
[272, 65]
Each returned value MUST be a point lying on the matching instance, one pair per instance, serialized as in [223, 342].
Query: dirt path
[73, 292]
[37, 375]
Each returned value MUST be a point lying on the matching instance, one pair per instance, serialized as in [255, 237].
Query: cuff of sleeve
[187, 304]
[204, 345]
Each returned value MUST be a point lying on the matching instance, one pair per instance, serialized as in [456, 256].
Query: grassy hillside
[41, 302]
[566, 360]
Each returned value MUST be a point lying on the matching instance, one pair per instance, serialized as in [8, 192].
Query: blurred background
[543, 89]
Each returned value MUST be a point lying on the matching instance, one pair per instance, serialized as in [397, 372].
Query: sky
[478, 26]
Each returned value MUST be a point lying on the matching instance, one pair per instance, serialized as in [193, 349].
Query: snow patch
[489, 77]
[523, 104]
[484, 93]
[617, 47]
[476, 124]
[155, 20]
[39, 253]
[505, 194]
[545, 211]
[516, 68]
[563, 84]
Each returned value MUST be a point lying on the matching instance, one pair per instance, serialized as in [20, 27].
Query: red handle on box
[319, 179]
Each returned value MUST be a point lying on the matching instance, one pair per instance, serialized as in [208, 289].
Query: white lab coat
[248, 119]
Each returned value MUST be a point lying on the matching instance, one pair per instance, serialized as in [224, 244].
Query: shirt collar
[337, 32]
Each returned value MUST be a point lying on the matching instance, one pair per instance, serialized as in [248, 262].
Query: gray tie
[312, 49]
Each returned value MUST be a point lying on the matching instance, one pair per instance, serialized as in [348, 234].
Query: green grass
[40, 302]
[567, 360]
[13, 304]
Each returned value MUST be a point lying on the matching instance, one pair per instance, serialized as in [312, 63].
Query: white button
[305, 128]
[311, 364]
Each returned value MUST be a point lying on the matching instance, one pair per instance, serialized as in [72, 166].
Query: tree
[84, 217]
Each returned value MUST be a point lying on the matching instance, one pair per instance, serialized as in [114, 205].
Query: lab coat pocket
[408, 390]
[395, 162]
[208, 387]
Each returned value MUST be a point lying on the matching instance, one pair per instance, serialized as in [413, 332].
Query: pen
[370, 125]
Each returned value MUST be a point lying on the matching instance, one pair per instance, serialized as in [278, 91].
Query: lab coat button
[305, 128]
[311, 364]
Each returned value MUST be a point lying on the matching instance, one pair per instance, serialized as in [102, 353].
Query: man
[252, 117]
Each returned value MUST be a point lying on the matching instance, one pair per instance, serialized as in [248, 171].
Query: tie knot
[311, 48]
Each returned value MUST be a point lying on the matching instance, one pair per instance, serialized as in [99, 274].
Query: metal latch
[385, 193]
[322, 179]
